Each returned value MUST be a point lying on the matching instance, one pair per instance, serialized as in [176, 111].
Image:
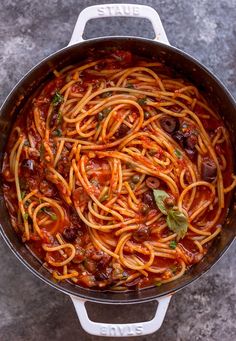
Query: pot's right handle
[119, 330]
[118, 10]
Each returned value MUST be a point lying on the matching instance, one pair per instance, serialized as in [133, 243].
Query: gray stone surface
[31, 30]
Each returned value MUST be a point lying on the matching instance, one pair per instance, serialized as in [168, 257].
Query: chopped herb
[22, 194]
[178, 153]
[97, 126]
[130, 86]
[158, 284]
[106, 111]
[57, 99]
[52, 215]
[106, 94]
[42, 152]
[25, 216]
[176, 220]
[104, 197]
[142, 101]
[174, 269]
[57, 132]
[146, 115]
[59, 117]
[173, 244]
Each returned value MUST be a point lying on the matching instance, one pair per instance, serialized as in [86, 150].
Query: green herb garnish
[57, 99]
[178, 153]
[57, 132]
[26, 143]
[176, 220]
[173, 244]
[142, 101]
[52, 215]
[130, 86]
[158, 284]
[22, 193]
[25, 216]
[106, 94]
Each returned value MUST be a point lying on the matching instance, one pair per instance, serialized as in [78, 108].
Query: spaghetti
[118, 174]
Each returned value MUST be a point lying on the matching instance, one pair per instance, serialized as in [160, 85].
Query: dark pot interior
[191, 70]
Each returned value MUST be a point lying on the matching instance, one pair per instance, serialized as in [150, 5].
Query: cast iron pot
[191, 69]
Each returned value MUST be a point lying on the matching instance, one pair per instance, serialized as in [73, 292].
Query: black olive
[209, 170]
[141, 234]
[169, 124]
[27, 163]
[121, 131]
[191, 141]
[70, 234]
[179, 138]
[148, 199]
[191, 153]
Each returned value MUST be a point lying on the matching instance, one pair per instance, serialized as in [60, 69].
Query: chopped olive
[29, 164]
[152, 182]
[169, 124]
[121, 131]
[141, 234]
[209, 170]
[70, 234]
[179, 138]
[191, 141]
[135, 178]
[148, 199]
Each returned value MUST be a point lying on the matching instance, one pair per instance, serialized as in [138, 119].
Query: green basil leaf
[160, 197]
[57, 99]
[178, 153]
[177, 222]
[57, 132]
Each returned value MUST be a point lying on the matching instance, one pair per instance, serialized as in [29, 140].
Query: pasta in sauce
[118, 174]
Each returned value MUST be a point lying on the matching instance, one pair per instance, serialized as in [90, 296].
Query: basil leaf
[160, 197]
[177, 222]
[178, 153]
[57, 99]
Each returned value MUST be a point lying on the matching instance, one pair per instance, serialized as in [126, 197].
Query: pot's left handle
[118, 10]
[119, 330]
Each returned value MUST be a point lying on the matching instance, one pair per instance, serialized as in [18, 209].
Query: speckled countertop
[31, 30]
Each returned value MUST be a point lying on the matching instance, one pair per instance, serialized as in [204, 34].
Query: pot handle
[118, 10]
[119, 330]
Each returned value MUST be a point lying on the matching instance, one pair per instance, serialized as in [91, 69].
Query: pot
[190, 69]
